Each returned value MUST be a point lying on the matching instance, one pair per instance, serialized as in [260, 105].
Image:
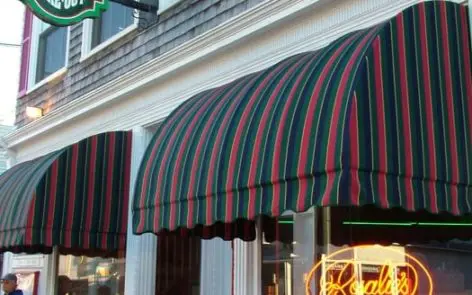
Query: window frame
[41, 56]
[88, 37]
[88, 34]
[165, 5]
[36, 33]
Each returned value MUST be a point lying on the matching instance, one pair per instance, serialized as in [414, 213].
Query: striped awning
[75, 198]
[380, 116]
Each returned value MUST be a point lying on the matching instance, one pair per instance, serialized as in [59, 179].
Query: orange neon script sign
[336, 275]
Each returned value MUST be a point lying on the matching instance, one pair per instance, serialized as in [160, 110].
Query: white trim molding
[141, 251]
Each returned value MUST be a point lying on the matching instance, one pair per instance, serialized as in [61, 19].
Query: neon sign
[337, 275]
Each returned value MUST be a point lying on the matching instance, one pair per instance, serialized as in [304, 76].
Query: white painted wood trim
[247, 267]
[216, 268]
[141, 251]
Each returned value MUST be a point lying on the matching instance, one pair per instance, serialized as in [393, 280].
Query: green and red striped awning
[75, 198]
[380, 116]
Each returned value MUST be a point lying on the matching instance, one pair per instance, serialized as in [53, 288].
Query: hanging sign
[66, 12]
[344, 273]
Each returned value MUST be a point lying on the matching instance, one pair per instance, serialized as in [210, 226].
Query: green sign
[66, 12]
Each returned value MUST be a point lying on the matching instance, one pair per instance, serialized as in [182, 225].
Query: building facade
[144, 196]
[4, 130]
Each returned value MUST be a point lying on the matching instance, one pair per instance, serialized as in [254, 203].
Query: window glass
[51, 51]
[80, 275]
[117, 18]
[288, 251]
[354, 251]
[178, 265]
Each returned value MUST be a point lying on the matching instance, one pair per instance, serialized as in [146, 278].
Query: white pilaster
[247, 267]
[141, 251]
[216, 268]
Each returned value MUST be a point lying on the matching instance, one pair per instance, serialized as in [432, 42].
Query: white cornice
[263, 16]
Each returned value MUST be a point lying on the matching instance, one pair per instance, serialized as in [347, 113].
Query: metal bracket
[138, 5]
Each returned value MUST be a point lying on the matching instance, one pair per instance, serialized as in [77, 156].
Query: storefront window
[80, 275]
[178, 265]
[287, 253]
[332, 252]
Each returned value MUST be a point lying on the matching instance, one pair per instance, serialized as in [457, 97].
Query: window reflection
[84, 275]
[178, 265]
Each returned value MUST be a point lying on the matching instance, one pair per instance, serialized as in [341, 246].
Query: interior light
[34, 112]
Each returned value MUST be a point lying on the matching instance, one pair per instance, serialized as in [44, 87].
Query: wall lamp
[34, 112]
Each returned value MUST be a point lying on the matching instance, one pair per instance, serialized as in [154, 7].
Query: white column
[216, 268]
[141, 251]
[247, 267]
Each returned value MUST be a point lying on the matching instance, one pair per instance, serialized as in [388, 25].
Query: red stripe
[406, 120]
[147, 171]
[354, 153]
[429, 106]
[381, 124]
[307, 131]
[331, 150]
[450, 107]
[29, 222]
[197, 157]
[52, 202]
[181, 149]
[256, 152]
[72, 190]
[126, 187]
[162, 169]
[109, 188]
[237, 137]
[222, 127]
[91, 191]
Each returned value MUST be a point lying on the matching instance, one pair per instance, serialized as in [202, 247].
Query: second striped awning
[75, 198]
[380, 116]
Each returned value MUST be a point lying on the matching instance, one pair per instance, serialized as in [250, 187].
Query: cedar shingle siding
[177, 25]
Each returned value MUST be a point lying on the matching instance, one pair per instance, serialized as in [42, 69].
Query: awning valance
[75, 198]
[380, 116]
